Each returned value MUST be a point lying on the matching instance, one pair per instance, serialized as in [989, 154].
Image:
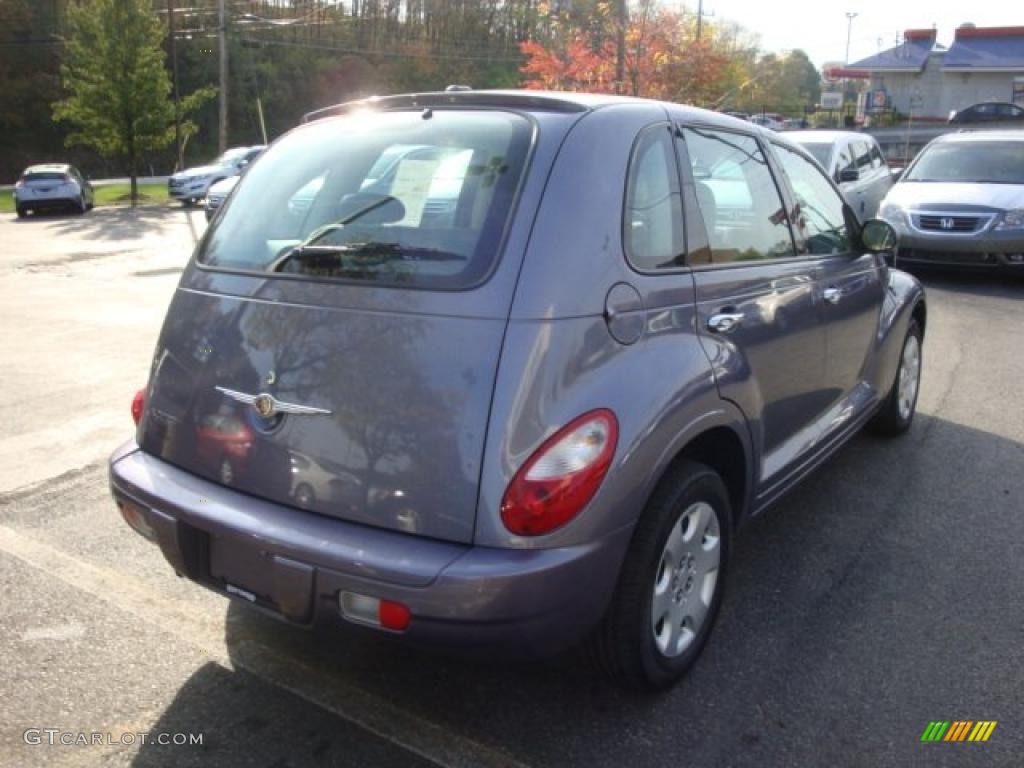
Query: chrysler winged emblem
[268, 406]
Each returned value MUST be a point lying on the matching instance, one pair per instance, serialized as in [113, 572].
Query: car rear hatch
[335, 344]
[41, 185]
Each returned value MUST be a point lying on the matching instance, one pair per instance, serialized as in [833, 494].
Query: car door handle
[725, 322]
[832, 295]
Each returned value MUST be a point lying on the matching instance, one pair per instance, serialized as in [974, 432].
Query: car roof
[974, 136]
[48, 167]
[557, 101]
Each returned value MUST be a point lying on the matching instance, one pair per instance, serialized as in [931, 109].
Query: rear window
[45, 176]
[416, 199]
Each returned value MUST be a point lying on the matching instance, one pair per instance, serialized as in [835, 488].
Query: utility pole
[222, 37]
[700, 18]
[177, 95]
[620, 46]
[850, 16]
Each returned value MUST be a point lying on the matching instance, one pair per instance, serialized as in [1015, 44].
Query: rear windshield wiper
[360, 255]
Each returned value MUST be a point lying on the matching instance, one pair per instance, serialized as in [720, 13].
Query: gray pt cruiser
[515, 373]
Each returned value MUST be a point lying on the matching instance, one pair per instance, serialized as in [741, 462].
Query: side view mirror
[878, 236]
[849, 174]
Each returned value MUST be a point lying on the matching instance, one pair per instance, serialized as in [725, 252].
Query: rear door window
[739, 201]
[863, 151]
[402, 198]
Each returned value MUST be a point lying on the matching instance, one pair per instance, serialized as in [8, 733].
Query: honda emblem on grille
[946, 223]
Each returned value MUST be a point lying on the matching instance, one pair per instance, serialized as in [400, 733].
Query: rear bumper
[46, 203]
[523, 602]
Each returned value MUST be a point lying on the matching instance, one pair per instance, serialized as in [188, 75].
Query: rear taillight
[561, 476]
[138, 403]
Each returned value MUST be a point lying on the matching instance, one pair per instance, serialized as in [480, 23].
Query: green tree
[118, 91]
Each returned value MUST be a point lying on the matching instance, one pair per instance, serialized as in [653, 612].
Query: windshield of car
[820, 151]
[231, 156]
[994, 162]
[45, 176]
[402, 198]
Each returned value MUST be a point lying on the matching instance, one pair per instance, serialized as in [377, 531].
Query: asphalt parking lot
[885, 593]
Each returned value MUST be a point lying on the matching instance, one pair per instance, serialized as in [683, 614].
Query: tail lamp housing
[561, 476]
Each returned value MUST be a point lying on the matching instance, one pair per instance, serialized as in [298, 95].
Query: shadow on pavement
[244, 721]
[115, 223]
[870, 601]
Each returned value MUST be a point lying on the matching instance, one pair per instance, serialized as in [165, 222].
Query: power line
[387, 54]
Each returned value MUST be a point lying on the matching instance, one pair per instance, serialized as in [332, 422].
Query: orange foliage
[663, 60]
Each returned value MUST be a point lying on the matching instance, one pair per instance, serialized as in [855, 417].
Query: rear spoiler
[496, 99]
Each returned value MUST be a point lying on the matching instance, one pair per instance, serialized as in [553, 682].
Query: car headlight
[893, 214]
[1012, 220]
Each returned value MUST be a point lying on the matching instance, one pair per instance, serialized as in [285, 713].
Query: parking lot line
[401, 728]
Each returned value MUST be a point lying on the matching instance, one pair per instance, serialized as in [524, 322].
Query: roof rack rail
[469, 98]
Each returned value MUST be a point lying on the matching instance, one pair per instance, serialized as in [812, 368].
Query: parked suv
[532, 416]
[50, 186]
[192, 185]
[855, 162]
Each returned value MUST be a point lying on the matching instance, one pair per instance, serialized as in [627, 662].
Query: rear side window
[821, 219]
[738, 199]
[653, 219]
[400, 198]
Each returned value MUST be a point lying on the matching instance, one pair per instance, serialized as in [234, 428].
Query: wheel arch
[726, 450]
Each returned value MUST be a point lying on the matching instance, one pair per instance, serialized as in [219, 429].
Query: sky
[819, 27]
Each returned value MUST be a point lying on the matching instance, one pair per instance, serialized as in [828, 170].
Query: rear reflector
[363, 609]
[138, 404]
[136, 518]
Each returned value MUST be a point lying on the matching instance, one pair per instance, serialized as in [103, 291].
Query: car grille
[941, 223]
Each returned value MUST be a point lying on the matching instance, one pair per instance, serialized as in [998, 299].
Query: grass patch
[111, 194]
[120, 194]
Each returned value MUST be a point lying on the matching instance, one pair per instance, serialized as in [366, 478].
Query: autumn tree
[118, 90]
[661, 56]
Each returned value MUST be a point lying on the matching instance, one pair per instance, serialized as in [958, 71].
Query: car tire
[676, 566]
[22, 213]
[80, 207]
[898, 409]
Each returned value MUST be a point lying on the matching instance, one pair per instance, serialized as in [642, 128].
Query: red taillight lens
[138, 403]
[558, 480]
[394, 616]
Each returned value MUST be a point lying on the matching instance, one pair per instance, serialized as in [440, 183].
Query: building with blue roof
[919, 75]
